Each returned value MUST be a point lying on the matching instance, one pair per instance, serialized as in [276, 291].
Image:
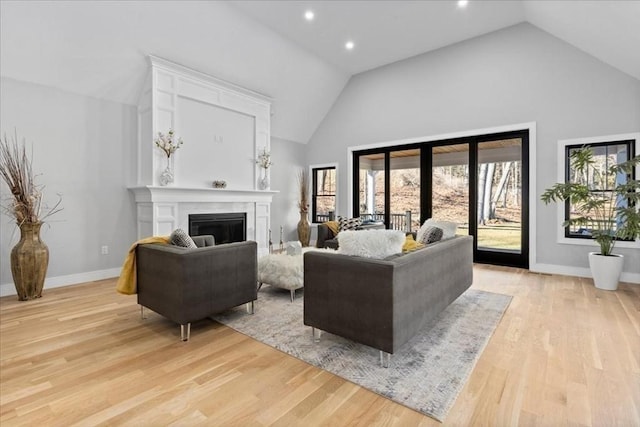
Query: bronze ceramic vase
[29, 262]
[304, 231]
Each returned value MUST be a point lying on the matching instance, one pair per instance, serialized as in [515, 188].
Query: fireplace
[225, 227]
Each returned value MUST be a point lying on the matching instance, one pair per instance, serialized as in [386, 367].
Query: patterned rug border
[359, 364]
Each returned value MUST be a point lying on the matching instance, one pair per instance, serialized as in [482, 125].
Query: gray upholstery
[383, 303]
[186, 285]
[326, 238]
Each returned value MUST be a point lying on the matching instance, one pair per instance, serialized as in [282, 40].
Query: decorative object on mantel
[304, 231]
[608, 216]
[30, 256]
[169, 145]
[264, 160]
[219, 184]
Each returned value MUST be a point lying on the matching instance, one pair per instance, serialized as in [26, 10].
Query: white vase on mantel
[263, 182]
[606, 270]
[166, 177]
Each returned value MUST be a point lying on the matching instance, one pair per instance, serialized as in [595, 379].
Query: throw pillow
[333, 226]
[376, 244]
[179, 237]
[448, 228]
[349, 223]
[431, 235]
[410, 244]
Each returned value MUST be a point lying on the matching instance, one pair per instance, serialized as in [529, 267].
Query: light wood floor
[564, 354]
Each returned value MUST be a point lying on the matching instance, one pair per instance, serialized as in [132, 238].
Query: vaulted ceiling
[99, 49]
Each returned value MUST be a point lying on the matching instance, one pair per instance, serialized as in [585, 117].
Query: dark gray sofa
[383, 303]
[186, 285]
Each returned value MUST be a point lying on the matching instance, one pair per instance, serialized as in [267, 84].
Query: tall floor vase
[29, 262]
[304, 231]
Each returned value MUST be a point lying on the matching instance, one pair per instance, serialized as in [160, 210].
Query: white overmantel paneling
[224, 127]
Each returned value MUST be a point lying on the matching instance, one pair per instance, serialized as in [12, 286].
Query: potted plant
[608, 216]
[30, 256]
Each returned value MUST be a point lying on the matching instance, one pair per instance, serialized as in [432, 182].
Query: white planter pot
[606, 270]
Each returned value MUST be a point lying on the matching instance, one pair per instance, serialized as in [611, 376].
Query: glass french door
[479, 182]
[501, 198]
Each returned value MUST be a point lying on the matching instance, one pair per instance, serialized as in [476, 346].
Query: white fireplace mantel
[163, 209]
[149, 193]
[224, 127]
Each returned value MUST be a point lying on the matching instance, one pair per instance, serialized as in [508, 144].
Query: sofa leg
[316, 334]
[250, 307]
[385, 359]
[293, 294]
[142, 315]
[185, 332]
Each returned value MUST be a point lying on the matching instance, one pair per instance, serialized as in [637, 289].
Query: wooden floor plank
[565, 353]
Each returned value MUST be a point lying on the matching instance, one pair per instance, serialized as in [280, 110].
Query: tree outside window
[323, 198]
[601, 184]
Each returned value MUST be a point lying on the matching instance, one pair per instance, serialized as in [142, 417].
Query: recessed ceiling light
[309, 15]
[463, 3]
[349, 45]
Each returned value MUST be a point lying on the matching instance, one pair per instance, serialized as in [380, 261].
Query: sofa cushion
[333, 226]
[431, 235]
[448, 228]
[377, 244]
[349, 223]
[179, 237]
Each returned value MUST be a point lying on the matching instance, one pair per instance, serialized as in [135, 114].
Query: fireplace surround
[224, 127]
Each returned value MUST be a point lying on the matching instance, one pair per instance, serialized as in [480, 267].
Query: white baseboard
[578, 271]
[70, 279]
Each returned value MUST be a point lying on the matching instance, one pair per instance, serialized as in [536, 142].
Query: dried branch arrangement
[303, 186]
[25, 203]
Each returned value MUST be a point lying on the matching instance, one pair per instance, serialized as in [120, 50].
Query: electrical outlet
[105, 250]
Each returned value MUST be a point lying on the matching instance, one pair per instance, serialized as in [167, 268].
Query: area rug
[427, 373]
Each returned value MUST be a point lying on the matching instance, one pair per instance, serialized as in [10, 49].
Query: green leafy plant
[609, 215]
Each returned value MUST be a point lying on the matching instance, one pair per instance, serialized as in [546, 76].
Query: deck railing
[399, 221]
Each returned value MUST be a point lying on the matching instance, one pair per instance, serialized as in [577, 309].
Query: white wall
[288, 158]
[516, 75]
[100, 48]
[84, 149]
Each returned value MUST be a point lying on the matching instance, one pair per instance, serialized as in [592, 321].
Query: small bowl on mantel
[219, 184]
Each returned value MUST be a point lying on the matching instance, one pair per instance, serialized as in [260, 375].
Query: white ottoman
[282, 271]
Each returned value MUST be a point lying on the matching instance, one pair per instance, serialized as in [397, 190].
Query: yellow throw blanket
[333, 226]
[127, 282]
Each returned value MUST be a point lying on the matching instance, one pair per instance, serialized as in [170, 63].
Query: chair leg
[293, 294]
[142, 314]
[185, 336]
[250, 307]
[316, 334]
[385, 359]
[259, 285]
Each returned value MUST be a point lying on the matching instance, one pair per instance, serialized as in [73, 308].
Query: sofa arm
[324, 233]
[350, 297]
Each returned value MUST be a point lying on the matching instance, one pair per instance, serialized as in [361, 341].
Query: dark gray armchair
[185, 285]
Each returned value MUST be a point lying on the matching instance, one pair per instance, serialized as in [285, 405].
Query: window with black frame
[323, 198]
[601, 184]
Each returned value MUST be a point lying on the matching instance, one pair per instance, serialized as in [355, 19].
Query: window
[602, 185]
[323, 199]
